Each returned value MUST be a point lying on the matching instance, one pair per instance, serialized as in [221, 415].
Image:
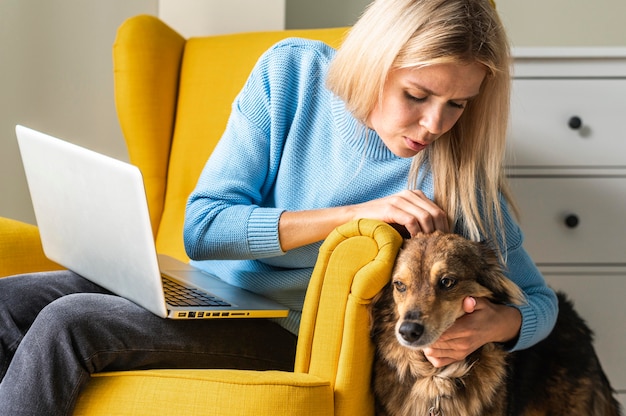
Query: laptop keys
[180, 295]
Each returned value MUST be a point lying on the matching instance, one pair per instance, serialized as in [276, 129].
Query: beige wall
[529, 22]
[55, 69]
[55, 75]
[564, 22]
[208, 17]
[301, 14]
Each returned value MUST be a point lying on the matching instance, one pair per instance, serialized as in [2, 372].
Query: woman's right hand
[409, 209]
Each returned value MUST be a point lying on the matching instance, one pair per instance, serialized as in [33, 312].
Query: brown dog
[560, 376]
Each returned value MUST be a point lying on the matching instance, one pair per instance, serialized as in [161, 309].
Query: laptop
[93, 218]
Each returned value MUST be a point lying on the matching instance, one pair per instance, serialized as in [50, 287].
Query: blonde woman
[405, 124]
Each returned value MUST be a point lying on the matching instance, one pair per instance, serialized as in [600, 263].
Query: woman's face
[420, 104]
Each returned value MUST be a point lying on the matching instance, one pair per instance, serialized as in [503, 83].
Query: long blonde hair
[466, 162]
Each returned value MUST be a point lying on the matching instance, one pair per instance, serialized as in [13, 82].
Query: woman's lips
[413, 145]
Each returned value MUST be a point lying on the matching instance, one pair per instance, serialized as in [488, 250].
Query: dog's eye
[400, 287]
[447, 282]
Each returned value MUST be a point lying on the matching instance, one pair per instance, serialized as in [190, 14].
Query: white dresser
[567, 165]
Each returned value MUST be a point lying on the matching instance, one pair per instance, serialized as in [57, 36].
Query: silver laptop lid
[83, 199]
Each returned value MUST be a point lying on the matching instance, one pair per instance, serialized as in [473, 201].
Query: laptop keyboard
[180, 295]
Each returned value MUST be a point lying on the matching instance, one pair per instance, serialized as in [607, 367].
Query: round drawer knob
[575, 123]
[572, 221]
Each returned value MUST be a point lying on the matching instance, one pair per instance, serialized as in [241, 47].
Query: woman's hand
[482, 323]
[409, 209]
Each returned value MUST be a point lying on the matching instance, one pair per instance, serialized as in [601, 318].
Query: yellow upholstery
[20, 249]
[173, 98]
[333, 360]
[200, 392]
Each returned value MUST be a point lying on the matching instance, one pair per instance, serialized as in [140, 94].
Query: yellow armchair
[173, 99]
[333, 359]
[21, 250]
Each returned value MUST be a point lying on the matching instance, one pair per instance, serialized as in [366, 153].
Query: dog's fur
[433, 274]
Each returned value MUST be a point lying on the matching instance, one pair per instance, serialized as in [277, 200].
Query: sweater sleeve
[540, 311]
[232, 212]
[224, 218]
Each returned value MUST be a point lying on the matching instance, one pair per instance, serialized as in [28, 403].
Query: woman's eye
[460, 106]
[415, 98]
[399, 286]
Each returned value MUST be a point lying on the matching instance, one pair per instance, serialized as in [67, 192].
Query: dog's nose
[411, 331]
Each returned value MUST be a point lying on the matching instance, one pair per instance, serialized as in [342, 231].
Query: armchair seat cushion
[20, 249]
[206, 392]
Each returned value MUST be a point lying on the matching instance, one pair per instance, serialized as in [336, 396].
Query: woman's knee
[71, 314]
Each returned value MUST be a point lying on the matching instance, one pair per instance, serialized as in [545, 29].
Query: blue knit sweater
[291, 145]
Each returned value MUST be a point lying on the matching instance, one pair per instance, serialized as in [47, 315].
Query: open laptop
[93, 219]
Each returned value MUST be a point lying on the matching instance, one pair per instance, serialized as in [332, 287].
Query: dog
[433, 273]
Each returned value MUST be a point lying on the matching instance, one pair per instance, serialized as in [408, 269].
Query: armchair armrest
[353, 265]
[20, 249]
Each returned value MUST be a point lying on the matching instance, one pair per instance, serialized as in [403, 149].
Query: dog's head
[432, 275]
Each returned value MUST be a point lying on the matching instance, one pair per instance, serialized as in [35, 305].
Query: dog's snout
[412, 315]
[411, 331]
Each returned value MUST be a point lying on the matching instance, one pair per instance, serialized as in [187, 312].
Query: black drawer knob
[572, 221]
[575, 123]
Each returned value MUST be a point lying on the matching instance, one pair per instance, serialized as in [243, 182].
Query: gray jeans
[58, 328]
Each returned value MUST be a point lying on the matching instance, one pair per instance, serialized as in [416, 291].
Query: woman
[405, 124]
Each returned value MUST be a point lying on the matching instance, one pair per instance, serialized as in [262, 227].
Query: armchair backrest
[173, 98]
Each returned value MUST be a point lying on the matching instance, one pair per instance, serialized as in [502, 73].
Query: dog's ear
[492, 277]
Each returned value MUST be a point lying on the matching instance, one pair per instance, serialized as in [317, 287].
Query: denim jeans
[57, 328]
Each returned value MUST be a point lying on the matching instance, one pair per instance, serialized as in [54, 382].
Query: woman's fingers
[409, 209]
[417, 213]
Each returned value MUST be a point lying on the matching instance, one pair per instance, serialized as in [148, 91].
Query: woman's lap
[68, 328]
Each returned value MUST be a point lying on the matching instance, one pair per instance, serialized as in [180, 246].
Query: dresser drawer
[599, 299]
[573, 220]
[541, 110]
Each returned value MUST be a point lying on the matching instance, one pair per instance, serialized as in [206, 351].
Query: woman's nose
[432, 120]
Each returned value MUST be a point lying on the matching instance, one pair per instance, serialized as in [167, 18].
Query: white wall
[55, 75]
[211, 17]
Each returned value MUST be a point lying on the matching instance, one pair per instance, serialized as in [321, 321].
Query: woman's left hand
[482, 323]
